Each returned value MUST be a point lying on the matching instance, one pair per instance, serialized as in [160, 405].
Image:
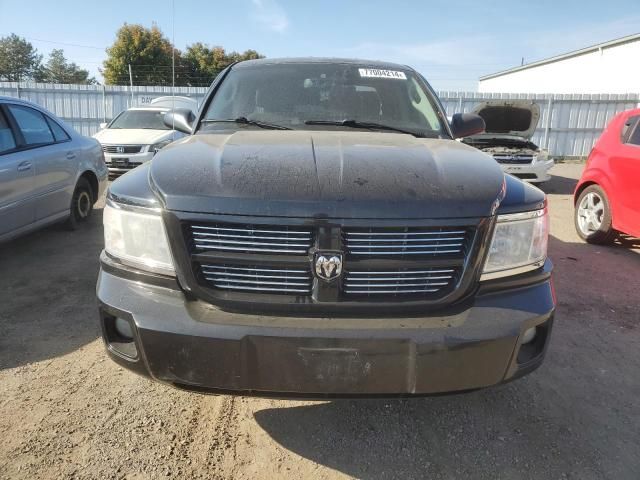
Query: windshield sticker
[377, 73]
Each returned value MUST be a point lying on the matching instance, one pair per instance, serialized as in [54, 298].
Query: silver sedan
[48, 171]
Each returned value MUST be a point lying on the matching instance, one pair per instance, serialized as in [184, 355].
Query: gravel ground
[66, 411]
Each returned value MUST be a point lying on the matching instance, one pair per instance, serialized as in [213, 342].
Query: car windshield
[146, 119]
[324, 95]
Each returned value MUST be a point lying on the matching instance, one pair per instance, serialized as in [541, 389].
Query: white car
[510, 125]
[136, 134]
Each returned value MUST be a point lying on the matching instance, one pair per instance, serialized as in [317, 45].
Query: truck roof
[350, 61]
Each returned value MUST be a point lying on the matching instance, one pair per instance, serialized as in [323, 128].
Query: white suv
[136, 134]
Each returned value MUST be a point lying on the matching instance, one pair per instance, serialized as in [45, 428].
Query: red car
[607, 197]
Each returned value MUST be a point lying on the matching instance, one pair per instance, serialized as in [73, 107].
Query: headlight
[157, 146]
[137, 239]
[519, 244]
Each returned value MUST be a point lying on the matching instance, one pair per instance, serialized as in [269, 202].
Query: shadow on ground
[559, 185]
[47, 292]
[575, 417]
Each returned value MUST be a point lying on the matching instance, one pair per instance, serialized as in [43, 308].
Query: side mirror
[466, 124]
[103, 125]
[180, 119]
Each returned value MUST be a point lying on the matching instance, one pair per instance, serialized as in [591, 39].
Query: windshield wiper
[367, 125]
[246, 121]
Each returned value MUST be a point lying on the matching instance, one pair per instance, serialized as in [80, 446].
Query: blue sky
[451, 42]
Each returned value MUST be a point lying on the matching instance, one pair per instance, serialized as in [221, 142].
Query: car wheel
[593, 216]
[81, 204]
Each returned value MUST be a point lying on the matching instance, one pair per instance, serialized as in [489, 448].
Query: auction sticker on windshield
[377, 73]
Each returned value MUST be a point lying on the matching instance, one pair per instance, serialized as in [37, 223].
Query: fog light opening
[528, 336]
[123, 328]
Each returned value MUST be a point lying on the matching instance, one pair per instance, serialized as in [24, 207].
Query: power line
[64, 43]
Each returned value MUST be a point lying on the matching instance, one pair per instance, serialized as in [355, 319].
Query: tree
[146, 50]
[58, 70]
[19, 60]
[201, 63]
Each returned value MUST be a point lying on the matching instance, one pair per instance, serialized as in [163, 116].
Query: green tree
[19, 60]
[148, 52]
[201, 63]
[58, 70]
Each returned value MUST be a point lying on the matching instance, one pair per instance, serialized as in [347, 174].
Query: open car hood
[509, 117]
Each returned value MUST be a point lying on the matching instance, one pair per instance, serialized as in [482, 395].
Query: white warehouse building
[610, 67]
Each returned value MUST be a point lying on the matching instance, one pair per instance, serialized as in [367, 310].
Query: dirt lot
[66, 411]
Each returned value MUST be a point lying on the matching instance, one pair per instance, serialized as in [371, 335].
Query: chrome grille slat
[265, 289]
[367, 292]
[258, 278]
[253, 269]
[251, 238]
[450, 270]
[267, 244]
[414, 246]
[390, 240]
[442, 277]
[195, 227]
[402, 241]
[256, 282]
[382, 234]
[223, 236]
[218, 275]
[407, 252]
[398, 282]
[254, 250]
[397, 285]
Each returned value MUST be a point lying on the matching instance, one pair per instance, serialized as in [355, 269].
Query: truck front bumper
[195, 345]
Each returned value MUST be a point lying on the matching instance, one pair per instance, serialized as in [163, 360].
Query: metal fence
[569, 124]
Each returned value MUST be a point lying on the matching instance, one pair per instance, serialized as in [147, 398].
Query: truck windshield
[145, 119]
[325, 96]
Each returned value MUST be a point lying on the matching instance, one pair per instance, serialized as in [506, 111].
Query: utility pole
[173, 61]
[131, 84]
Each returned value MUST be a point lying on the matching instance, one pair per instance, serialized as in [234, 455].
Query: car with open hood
[135, 135]
[320, 233]
[510, 126]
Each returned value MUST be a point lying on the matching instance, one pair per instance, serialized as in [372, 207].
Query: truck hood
[132, 136]
[320, 174]
[517, 118]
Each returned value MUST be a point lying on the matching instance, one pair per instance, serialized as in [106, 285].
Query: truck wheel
[81, 204]
[592, 216]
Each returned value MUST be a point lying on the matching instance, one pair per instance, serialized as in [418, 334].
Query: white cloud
[270, 15]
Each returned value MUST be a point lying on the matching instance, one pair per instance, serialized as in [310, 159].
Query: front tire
[592, 216]
[81, 204]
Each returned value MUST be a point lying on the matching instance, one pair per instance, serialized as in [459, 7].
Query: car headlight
[519, 244]
[157, 146]
[137, 239]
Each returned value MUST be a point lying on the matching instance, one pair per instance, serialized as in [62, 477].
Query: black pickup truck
[321, 233]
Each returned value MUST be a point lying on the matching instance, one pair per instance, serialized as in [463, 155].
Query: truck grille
[513, 159]
[258, 278]
[251, 238]
[399, 282]
[124, 148]
[405, 241]
[255, 263]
